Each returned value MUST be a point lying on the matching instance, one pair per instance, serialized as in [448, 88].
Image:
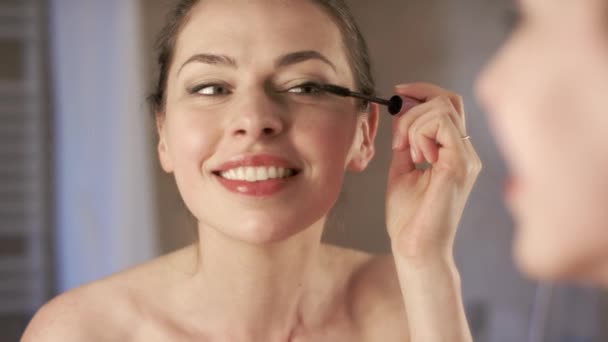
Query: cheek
[329, 136]
[191, 142]
[528, 93]
[549, 132]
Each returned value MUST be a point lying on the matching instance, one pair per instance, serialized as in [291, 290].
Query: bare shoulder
[73, 316]
[90, 312]
[373, 292]
[104, 310]
[377, 300]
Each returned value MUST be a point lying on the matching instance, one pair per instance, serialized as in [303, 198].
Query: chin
[549, 261]
[257, 231]
[536, 254]
[268, 234]
[535, 266]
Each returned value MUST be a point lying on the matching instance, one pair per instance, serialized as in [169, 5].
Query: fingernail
[413, 152]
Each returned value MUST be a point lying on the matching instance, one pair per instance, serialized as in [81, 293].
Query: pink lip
[256, 189]
[512, 187]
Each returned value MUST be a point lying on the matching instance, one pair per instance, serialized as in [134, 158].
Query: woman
[259, 159]
[546, 93]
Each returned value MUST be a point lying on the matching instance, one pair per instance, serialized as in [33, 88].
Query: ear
[363, 149]
[163, 150]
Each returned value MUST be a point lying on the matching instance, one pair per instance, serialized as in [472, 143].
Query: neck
[259, 289]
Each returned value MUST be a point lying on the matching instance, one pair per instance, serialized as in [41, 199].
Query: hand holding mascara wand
[394, 104]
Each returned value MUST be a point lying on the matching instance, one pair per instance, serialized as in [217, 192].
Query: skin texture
[545, 94]
[259, 271]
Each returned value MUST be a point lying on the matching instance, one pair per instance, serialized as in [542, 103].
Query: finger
[473, 161]
[419, 90]
[458, 104]
[445, 103]
[453, 154]
[424, 112]
[401, 124]
[426, 91]
[426, 148]
[448, 148]
[422, 147]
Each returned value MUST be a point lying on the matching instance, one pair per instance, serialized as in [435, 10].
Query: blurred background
[82, 194]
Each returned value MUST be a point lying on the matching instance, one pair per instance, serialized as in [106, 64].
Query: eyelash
[197, 88]
[315, 89]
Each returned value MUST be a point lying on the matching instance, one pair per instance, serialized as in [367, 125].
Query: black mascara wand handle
[394, 104]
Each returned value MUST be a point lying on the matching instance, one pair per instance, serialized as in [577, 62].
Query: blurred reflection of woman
[546, 93]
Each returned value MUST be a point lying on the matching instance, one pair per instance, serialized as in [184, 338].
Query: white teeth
[261, 173]
[239, 173]
[272, 172]
[256, 174]
[250, 174]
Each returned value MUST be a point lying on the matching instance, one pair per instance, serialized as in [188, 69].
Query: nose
[485, 87]
[257, 117]
[496, 77]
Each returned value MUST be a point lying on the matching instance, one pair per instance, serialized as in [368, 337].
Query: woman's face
[545, 93]
[237, 122]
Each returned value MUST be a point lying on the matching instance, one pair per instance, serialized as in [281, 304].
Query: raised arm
[424, 207]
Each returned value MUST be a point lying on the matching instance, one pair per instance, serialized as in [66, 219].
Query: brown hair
[353, 41]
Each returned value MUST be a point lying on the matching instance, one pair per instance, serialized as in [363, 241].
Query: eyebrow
[302, 56]
[281, 62]
[212, 59]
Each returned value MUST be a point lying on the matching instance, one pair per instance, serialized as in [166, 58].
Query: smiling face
[545, 92]
[255, 154]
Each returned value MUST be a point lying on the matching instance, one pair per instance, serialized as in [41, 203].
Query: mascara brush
[394, 104]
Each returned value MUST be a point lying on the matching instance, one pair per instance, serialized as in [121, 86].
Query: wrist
[418, 256]
[436, 266]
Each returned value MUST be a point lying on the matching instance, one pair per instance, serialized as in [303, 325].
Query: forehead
[247, 29]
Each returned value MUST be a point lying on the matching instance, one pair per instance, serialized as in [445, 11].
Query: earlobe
[163, 156]
[163, 150]
[363, 148]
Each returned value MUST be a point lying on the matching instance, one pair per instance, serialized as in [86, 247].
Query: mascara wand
[394, 104]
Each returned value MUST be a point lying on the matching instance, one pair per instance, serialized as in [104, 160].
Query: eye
[210, 89]
[308, 88]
